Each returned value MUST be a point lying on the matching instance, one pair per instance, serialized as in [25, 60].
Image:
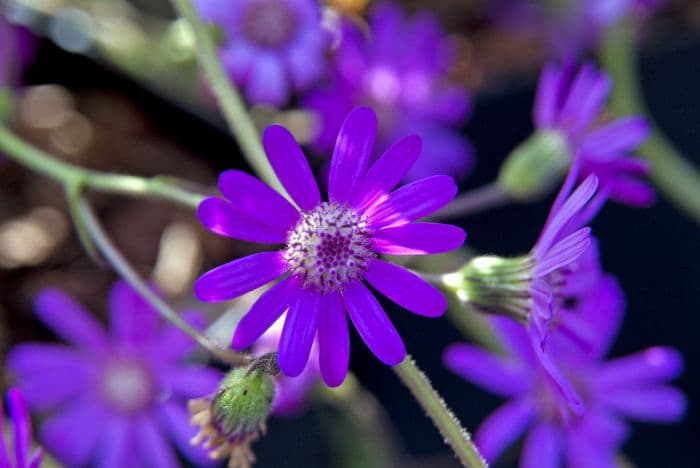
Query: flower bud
[234, 417]
[535, 166]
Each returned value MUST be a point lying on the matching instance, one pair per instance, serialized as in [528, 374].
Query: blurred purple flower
[271, 47]
[571, 27]
[290, 392]
[19, 455]
[16, 51]
[115, 398]
[572, 103]
[631, 387]
[330, 246]
[409, 91]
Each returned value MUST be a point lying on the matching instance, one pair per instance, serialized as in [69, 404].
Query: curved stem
[483, 198]
[228, 97]
[677, 179]
[447, 423]
[122, 267]
[70, 175]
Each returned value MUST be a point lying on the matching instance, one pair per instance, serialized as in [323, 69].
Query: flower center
[330, 246]
[269, 23]
[127, 385]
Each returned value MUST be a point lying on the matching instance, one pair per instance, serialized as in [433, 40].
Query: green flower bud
[234, 417]
[535, 166]
[495, 285]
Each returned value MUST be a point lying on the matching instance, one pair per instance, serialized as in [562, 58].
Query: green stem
[677, 179]
[229, 98]
[446, 422]
[122, 267]
[70, 175]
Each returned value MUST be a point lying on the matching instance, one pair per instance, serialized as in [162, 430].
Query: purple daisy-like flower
[271, 47]
[409, 91]
[115, 397]
[330, 247]
[571, 103]
[19, 455]
[631, 387]
[290, 392]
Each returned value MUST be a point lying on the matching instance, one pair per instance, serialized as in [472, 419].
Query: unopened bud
[535, 166]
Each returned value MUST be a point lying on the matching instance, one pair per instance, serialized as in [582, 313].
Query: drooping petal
[333, 339]
[298, 333]
[496, 374]
[71, 434]
[266, 310]
[352, 153]
[238, 277]
[223, 218]
[542, 448]
[131, 318]
[406, 288]
[257, 200]
[154, 450]
[563, 252]
[373, 325]
[412, 201]
[503, 427]
[655, 403]
[291, 166]
[651, 365]
[68, 319]
[418, 239]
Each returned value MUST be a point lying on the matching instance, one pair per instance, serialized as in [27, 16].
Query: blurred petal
[173, 417]
[542, 448]
[131, 318]
[658, 403]
[267, 81]
[21, 425]
[71, 435]
[648, 366]
[190, 381]
[68, 319]
[503, 427]
[494, 373]
[154, 450]
[117, 444]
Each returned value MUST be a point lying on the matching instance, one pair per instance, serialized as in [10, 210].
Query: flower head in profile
[19, 454]
[533, 288]
[570, 103]
[409, 91]
[330, 248]
[630, 387]
[116, 397]
[271, 47]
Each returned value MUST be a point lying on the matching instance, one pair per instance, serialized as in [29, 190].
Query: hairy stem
[677, 179]
[124, 269]
[474, 201]
[71, 176]
[228, 97]
[446, 422]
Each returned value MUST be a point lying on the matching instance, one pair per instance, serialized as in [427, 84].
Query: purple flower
[271, 47]
[16, 50]
[408, 90]
[330, 247]
[21, 456]
[115, 397]
[290, 392]
[630, 387]
[572, 104]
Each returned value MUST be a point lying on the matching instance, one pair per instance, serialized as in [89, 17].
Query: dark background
[654, 252]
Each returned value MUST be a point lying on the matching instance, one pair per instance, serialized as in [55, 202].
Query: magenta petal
[653, 364]
[131, 318]
[257, 200]
[353, 150]
[406, 288]
[503, 427]
[266, 310]
[412, 201]
[388, 171]
[333, 339]
[223, 218]
[657, 403]
[21, 424]
[291, 166]
[71, 434]
[373, 325]
[298, 333]
[69, 319]
[494, 373]
[154, 450]
[418, 239]
[239, 276]
[542, 448]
